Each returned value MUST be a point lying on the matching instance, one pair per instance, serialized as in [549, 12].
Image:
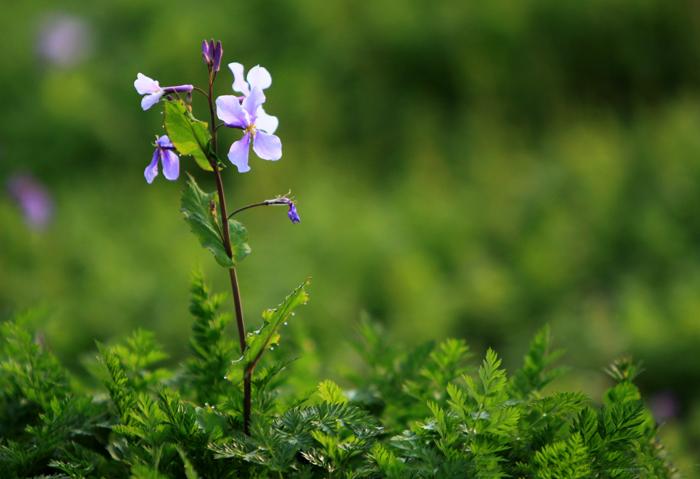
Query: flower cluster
[243, 111]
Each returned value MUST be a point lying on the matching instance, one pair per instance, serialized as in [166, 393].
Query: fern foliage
[430, 412]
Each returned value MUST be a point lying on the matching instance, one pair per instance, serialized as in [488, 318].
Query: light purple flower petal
[238, 154]
[267, 147]
[265, 122]
[239, 83]
[145, 85]
[229, 110]
[164, 142]
[171, 164]
[149, 100]
[252, 102]
[151, 170]
[259, 77]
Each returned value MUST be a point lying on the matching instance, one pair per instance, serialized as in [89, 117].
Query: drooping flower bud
[292, 213]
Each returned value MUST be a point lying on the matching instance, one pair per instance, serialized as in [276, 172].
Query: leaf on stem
[267, 336]
[200, 209]
[239, 240]
[189, 135]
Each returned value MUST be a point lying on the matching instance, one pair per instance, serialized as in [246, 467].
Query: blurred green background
[465, 168]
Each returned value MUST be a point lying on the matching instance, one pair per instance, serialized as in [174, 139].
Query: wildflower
[153, 91]
[212, 52]
[165, 152]
[257, 125]
[258, 77]
[64, 40]
[32, 198]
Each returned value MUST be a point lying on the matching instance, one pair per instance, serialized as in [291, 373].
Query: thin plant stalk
[235, 289]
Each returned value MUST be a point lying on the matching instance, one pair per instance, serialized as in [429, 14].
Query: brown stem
[247, 396]
[235, 290]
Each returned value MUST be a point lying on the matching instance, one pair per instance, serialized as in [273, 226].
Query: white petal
[265, 122]
[259, 77]
[145, 85]
[239, 83]
[230, 111]
[149, 100]
[238, 154]
[267, 147]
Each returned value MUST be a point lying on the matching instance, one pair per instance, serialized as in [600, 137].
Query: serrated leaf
[189, 135]
[259, 341]
[273, 319]
[239, 241]
[330, 392]
[199, 208]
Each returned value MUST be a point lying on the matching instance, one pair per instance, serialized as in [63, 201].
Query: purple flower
[153, 91]
[212, 52]
[664, 406]
[250, 117]
[258, 77]
[64, 40]
[165, 152]
[32, 198]
[292, 213]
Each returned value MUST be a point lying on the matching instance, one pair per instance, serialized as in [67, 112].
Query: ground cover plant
[228, 411]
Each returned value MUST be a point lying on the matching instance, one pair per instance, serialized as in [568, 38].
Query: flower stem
[235, 290]
[255, 205]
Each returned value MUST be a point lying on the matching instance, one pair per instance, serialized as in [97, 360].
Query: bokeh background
[463, 168]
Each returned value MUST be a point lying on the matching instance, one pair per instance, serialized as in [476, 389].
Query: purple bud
[292, 213]
[218, 53]
[178, 89]
[206, 52]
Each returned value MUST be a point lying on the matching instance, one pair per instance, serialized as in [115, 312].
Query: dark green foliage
[200, 211]
[413, 414]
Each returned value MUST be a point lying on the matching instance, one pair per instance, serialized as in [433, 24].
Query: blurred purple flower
[212, 52]
[153, 92]
[250, 117]
[165, 152]
[664, 406]
[64, 40]
[258, 77]
[33, 199]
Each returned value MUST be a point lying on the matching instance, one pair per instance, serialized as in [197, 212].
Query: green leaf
[190, 472]
[330, 392]
[199, 209]
[267, 335]
[239, 241]
[259, 341]
[189, 135]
